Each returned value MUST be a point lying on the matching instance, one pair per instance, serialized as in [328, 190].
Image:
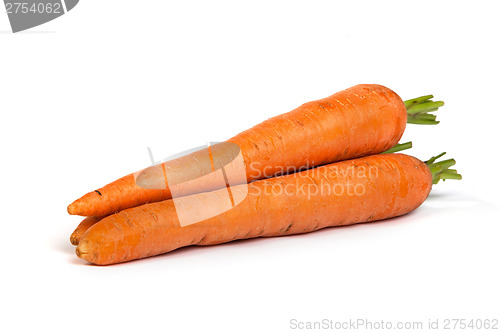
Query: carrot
[361, 190]
[82, 228]
[91, 220]
[362, 120]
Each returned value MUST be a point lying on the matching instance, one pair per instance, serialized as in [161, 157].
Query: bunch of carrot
[326, 163]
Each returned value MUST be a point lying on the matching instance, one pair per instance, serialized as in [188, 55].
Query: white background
[82, 97]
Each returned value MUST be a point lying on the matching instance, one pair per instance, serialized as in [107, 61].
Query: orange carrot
[362, 120]
[82, 228]
[361, 190]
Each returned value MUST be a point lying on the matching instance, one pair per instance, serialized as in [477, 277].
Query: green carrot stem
[432, 159]
[424, 107]
[445, 164]
[399, 147]
[417, 100]
[418, 110]
[446, 175]
[426, 116]
[422, 121]
[441, 170]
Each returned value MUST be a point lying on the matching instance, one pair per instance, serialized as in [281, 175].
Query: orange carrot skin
[362, 120]
[396, 185]
[87, 222]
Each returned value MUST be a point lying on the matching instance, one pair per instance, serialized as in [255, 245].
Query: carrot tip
[81, 254]
[76, 208]
[73, 239]
[72, 209]
[82, 250]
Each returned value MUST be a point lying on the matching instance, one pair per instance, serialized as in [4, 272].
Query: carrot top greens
[418, 110]
[399, 147]
[441, 170]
